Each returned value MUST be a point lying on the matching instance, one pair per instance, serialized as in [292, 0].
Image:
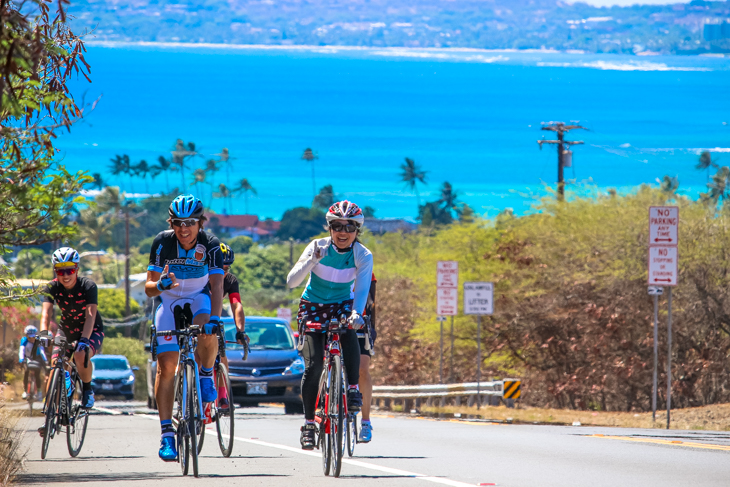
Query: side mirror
[135, 368]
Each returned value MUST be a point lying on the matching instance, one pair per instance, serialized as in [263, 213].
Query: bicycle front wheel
[224, 411]
[323, 441]
[180, 421]
[351, 434]
[78, 417]
[194, 422]
[337, 414]
[50, 411]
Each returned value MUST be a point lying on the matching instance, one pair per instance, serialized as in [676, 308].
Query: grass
[11, 458]
[715, 417]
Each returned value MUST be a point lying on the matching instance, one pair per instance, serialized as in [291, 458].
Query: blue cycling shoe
[168, 451]
[88, 399]
[366, 433]
[207, 390]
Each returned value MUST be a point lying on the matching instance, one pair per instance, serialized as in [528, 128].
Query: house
[389, 225]
[246, 225]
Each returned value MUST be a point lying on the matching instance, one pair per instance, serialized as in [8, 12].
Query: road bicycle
[331, 409]
[351, 426]
[31, 390]
[63, 408]
[187, 415]
[222, 411]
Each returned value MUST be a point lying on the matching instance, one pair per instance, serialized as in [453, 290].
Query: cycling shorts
[95, 340]
[165, 317]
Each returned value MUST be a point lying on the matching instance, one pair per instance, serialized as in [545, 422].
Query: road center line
[357, 463]
[689, 444]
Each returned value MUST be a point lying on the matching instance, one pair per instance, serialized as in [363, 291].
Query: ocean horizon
[470, 117]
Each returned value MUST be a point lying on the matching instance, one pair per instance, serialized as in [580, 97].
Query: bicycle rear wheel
[194, 422]
[78, 417]
[224, 416]
[337, 411]
[351, 434]
[50, 411]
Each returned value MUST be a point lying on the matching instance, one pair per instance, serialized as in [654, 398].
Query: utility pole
[310, 156]
[560, 128]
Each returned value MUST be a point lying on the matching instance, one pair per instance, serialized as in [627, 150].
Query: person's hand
[321, 247]
[82, 344]
[243, 339]
[167, 280]
[211, 327]
[356, 320]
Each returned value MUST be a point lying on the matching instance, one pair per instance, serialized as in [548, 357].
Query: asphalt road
[405, 452]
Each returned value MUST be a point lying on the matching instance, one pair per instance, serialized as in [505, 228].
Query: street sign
[440, 318]
[663, 266]
[447, 274]
[663, 225]
[656, 290]
[478, 298]
[284, 314]
[447, 301]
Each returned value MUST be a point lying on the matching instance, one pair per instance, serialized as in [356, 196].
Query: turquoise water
[470, 118]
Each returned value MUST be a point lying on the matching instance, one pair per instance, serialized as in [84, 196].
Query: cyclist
[185, 269]
[366, 384]
[339, 269]
[77, 296]
[230, 289]
[26, 349]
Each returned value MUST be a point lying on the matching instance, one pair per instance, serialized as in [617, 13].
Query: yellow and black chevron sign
[511, 389]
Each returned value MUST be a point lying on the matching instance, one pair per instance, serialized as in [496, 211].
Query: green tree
[199, 176]
[29, 260]
[368, 212]
[668, 184]
[301, 223]
[225, 193]
[706, 162]
[241, 244]
[142, 169]
[112, 304]
[245, 187]
[181, 153]
[411, 175]
[310, 157]
[325, 198]
[718, 187]
[38, 54]
[164, 165]
[98, 182]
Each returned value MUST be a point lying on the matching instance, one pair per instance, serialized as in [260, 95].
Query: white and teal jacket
[336, 277]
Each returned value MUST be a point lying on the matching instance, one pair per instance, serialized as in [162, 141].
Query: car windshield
[105, 363]
[264, 336]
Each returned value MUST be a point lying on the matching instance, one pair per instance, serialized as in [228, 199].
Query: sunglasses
[348, 228]
[66, 272]
[184, 223]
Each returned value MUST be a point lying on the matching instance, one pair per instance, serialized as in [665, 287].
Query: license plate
[107, 387]
[256, 387]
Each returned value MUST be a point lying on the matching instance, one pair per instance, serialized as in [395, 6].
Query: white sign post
[663, 270]
[447, 297]
[479, 300]
[284, 314]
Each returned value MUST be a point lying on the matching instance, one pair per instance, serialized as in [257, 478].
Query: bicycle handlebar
[191, 331]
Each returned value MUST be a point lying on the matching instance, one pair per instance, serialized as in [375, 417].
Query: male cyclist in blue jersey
[339, 269]
[185, 269]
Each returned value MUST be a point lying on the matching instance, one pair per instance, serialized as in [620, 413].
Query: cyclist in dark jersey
[231, 289]
[80, 320]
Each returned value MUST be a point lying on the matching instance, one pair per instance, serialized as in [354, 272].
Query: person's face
[67, 276]
[341, 237]
[186, 230]
[31, 339]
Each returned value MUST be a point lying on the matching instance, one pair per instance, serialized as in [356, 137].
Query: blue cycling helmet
[186, 206]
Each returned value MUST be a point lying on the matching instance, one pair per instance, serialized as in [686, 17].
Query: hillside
[484, 24]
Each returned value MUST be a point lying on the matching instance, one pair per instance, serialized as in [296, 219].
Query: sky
[623, 3]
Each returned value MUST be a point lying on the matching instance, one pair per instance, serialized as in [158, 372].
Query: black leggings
[313, 353]
[37, 373]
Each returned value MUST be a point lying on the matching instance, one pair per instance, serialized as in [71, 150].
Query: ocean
[468, 117]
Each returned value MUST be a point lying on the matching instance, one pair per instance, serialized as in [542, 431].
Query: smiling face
[187, 235]
[343, 239]
[67, 280]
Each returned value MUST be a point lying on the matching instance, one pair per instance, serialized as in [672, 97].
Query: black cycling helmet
[228, 255]
[186, 206]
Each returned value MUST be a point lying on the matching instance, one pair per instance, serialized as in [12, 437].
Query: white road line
[105, 410]
[357, 463]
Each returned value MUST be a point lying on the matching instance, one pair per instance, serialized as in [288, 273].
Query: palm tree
[142, 169]
[718, 187]
[244, 187]
[448, 196]
[706, 162]
[412, 174]
[211, 167]
[198, 179]
[98, 182]
[310, 156]
[110, 200]
[668, 184]
[164, 165]
[181, 153]
[120, 165]
[225, 159]
[225, 193]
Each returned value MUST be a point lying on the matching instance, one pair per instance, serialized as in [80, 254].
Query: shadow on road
[376, 477]
[61, 478]
[399, 458]
[82, 459]
[219, 476]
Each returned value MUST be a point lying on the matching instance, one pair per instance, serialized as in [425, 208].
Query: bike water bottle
[69, 384]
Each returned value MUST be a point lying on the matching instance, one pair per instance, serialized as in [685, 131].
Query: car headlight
[129, 379]
[296, 367]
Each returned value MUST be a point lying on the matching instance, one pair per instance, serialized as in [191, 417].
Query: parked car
[112, 376]
[272, 372]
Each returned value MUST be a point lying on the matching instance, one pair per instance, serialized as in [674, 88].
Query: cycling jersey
[73, 304]
[26, 348]
[192, 269]
[230, 288]
[338, 276]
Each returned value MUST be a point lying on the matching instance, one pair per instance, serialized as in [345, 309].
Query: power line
[560, 128]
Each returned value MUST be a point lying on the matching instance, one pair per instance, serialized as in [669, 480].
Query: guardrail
[487, 393]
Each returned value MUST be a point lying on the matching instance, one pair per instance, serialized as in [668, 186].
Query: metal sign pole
[656, 357]
[669, 357]
[441, 361]
[451, 363]
[479, 359]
